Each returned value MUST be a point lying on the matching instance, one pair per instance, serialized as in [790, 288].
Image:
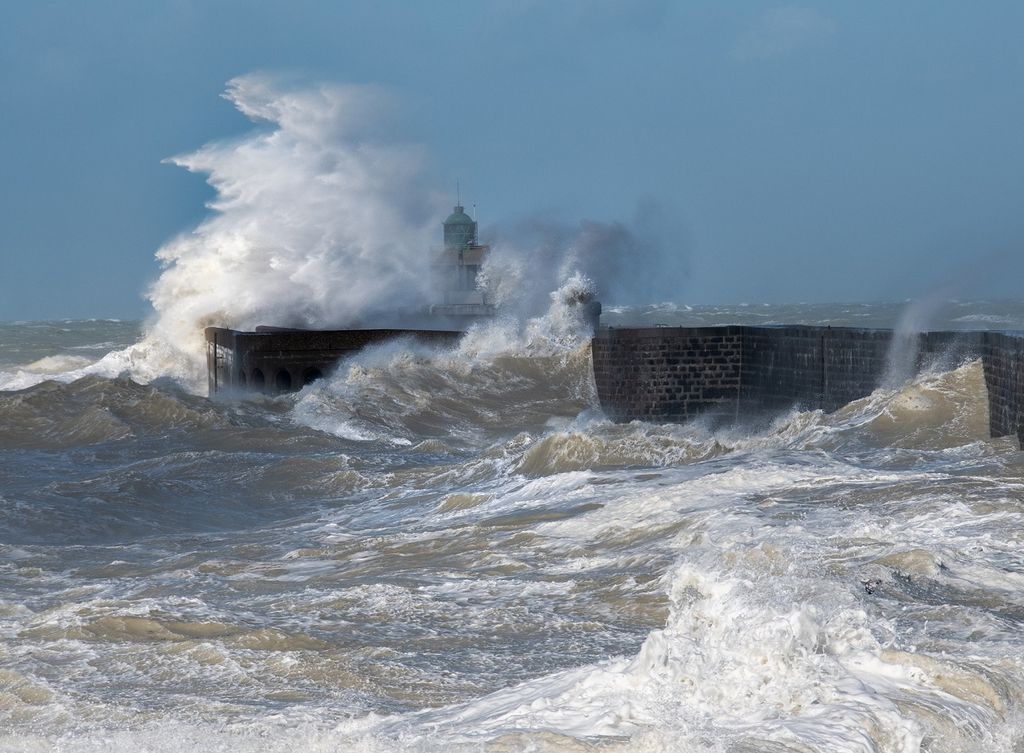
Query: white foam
[761, 644]
[734, 662]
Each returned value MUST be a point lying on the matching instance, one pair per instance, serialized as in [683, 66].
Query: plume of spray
[646, 259]
[992, 260]
[901, 360]
[628, 262]
[622, 262]
[320, 222]
[317, 222]
[559, 328]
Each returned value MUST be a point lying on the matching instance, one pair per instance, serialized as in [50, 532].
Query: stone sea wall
[736, 372]
[273, 360]
[668, 374]
[1002, 356]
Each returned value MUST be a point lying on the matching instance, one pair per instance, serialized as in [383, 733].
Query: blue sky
[800, 152]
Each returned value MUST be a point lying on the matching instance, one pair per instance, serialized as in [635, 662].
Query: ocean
[454, 550]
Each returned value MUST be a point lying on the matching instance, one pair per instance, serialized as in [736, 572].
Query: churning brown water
[456, 551]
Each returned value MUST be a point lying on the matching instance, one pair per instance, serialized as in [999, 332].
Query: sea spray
[319, 221]
[399, 390]
[917, 317]
[644, 259]
[316, 222]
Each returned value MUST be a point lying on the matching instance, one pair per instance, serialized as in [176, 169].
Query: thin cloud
[782, 31]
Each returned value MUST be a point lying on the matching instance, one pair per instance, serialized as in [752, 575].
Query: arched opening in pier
[241, 378]
[311, 375]
[258, 380]
[283, 380]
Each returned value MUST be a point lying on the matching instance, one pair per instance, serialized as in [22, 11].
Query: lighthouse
[457, 265]
[459, 229]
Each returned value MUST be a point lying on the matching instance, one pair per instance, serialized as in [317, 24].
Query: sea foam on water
[515, 571]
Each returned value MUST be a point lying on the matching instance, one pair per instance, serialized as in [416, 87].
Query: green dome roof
[458, 217]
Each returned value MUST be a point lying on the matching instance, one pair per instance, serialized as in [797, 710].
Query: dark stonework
[782, 367]
[678, 373]
[668, 374]
[1002, 355]
[280, 360]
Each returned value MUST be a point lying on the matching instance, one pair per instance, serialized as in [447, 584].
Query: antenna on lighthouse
[458, 194]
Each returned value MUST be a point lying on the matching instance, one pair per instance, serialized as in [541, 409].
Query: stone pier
[737, 372]
[273, 360]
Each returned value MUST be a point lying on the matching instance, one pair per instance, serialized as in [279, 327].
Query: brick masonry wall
[285, 359]
[855, 363]
[781, 368]
[668, 373]
[678, 373]
[1003, 361]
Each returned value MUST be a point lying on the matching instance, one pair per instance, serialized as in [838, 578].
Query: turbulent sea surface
[455, 550]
